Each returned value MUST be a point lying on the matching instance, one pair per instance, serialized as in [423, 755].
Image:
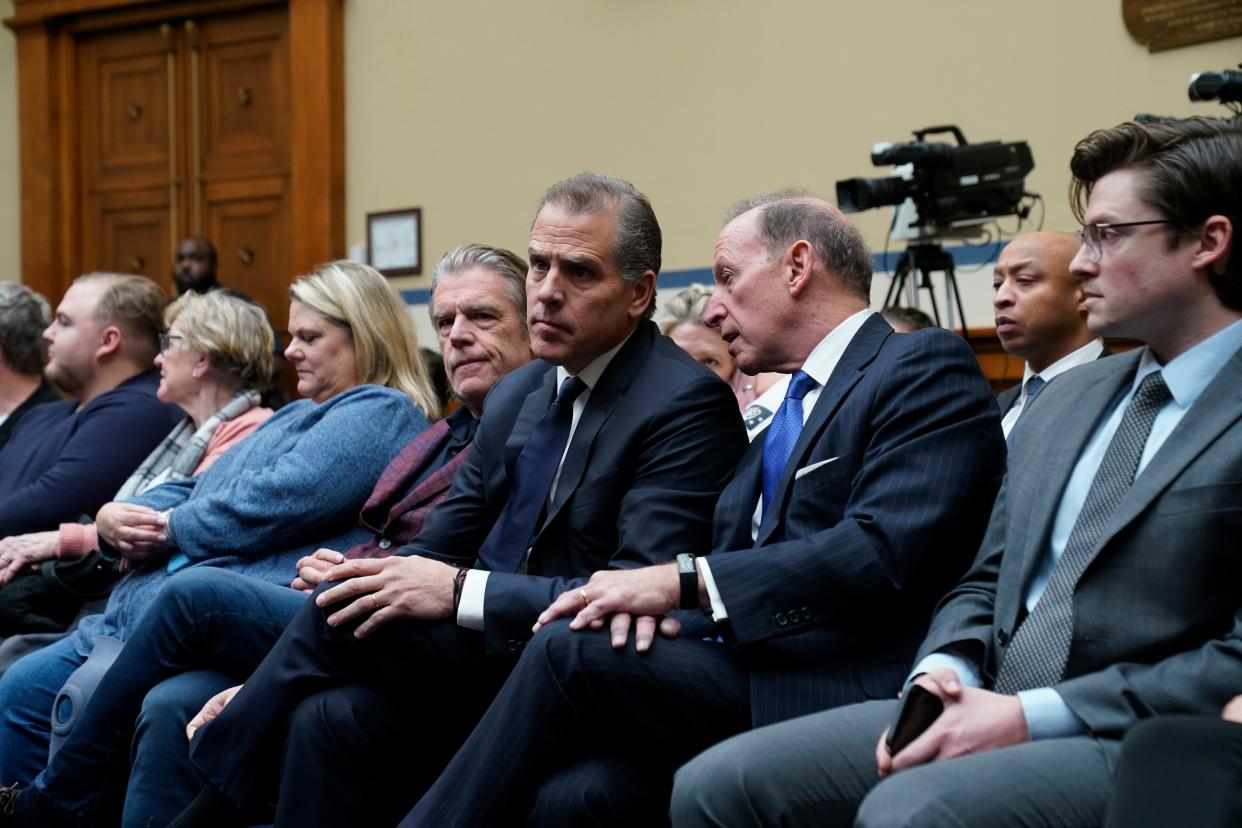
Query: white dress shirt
[1087, 353]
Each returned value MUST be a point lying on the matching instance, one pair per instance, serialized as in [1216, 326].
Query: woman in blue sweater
[299, 479]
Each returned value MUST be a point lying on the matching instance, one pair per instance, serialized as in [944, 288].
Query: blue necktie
[783, 434]
[511, 535]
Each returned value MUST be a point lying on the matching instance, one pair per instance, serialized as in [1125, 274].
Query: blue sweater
[61, 464]
[296, 484]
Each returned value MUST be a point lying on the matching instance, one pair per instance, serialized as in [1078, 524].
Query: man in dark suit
[1039, 316]
[845, 522]
[210, 629]
[23, 316]
[378, 681]
[1108, 586]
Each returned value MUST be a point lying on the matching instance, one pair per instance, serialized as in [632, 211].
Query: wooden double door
[186, 119]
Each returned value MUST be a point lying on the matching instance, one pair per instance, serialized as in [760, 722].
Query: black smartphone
[917, 710]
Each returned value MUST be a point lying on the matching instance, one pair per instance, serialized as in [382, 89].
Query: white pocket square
[805, 470]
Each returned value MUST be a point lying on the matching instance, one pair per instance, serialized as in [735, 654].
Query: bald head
[788, 216]
[1038, 301]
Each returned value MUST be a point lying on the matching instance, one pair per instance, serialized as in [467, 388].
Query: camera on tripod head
[953, 189]
[1225, 87]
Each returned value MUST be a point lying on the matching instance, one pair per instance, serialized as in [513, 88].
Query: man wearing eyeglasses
[1107, 588]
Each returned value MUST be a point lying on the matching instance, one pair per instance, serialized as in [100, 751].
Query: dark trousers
[573, 698]
[203, 618]
[353, 725]
[1179, 770]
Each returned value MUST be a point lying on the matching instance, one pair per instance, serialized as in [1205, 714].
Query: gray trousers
[819, 770]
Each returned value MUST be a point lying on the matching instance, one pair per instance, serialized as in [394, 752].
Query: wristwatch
[689, 575]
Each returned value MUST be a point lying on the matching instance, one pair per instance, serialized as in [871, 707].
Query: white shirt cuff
[470, 608]
[1048, 716]
[966, 672]
[719, 613]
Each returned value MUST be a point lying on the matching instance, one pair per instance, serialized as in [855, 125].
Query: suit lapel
[848, 371]
[604, 397]
[533, 408]
[1218, 407]
[1064, 438]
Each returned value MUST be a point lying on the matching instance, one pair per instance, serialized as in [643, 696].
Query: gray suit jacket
[1157, 624]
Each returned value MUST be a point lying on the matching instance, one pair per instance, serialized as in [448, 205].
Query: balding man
[66, 459]
[1039, 316]
[847, 519]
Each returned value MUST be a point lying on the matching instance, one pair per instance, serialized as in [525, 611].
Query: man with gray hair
[66, 459]
[848, 517]
[379, 678]
[23, 316]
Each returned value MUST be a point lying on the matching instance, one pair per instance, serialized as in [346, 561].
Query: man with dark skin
[194, 265]
[1039, 315]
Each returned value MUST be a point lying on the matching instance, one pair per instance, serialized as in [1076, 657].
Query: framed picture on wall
[395, 242]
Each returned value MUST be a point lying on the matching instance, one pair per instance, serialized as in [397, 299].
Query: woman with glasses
[296, 484]
[214, 362]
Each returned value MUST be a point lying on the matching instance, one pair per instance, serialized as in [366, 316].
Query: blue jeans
[204, 618]
[27, 691]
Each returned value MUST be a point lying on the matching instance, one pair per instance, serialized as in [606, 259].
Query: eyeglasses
[1095, 236]
[166, 340]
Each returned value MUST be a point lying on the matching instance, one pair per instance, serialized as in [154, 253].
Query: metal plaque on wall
[1168, 24]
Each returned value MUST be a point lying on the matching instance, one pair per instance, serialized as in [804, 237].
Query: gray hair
[791, 215]
[24, 315]
[638, 243]
[504, 263]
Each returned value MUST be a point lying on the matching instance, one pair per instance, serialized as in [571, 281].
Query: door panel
[248, 221]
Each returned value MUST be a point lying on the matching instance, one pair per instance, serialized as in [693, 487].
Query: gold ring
[7, 560]
[375, 604]
[586, 602]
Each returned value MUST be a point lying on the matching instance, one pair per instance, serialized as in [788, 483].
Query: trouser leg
[572, 696]
[1179, 770]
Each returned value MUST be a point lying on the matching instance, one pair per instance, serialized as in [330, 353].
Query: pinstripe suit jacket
[1158, 612]
[878, 512]
[658, 439]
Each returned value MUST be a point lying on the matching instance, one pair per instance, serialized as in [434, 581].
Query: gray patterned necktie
[1040, 648]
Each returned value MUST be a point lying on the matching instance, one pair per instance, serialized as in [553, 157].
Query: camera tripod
[918, 262]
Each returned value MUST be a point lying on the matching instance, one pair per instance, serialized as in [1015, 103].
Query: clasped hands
[18, 552]
[974, 720]
[137, 532]
[623, 599]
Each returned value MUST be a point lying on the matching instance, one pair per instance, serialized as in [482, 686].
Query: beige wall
[469, 109]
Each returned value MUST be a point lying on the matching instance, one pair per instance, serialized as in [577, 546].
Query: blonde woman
[296, 484]
[685, 327]
[214, 361]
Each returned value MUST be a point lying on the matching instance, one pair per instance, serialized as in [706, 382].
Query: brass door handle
[137, 263]
[244, 98]
[135, 111]
[246, 255]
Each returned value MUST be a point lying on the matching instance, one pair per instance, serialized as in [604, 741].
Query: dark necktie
[782, 434]
[511, 535]
[1040, 649]
[1033, 386]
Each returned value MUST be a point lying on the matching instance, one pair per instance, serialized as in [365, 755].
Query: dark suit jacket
[1156, 614]
[877, 514]
[658, 440]
[42, 394]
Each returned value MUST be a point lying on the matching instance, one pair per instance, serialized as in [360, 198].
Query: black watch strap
[689, 575]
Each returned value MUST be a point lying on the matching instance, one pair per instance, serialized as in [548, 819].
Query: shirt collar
[594, 369]
[824, 358]
[1073, 359]
[1189, 373]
